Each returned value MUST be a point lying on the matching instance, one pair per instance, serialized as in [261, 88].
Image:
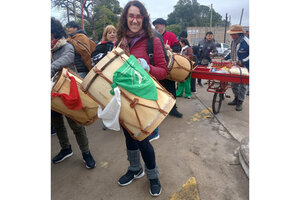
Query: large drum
[85, 116]
[138, 115]
[179, 67]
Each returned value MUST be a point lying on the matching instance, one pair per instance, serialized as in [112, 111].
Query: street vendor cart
[219, 76]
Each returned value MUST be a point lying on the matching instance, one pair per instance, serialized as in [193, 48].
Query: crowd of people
[132, 33]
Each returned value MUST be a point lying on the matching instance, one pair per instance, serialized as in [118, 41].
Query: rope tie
[134, 102]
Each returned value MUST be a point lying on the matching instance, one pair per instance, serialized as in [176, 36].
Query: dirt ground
[198, 145]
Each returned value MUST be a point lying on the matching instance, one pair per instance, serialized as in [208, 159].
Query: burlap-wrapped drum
[85, 116]
[179, 67]
[138, 115]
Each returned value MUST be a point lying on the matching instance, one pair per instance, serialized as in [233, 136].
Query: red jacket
[170, 38]
[139, 50]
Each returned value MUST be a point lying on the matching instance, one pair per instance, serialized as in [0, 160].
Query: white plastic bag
[110, 114]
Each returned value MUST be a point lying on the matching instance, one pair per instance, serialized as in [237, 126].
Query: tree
[191, 13]
[93, 12]
[174, 28]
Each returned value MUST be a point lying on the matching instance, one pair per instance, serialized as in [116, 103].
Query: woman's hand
[144, 64]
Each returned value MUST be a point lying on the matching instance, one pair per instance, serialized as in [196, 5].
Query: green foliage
[174, 28]
[191, 13]
[104, 17]
[97, 13]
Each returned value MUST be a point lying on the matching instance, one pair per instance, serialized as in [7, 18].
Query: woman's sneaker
[155, 187]
[130, 176]
[63, 154]
[154, 135]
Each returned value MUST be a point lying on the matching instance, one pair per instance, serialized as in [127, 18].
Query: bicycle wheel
[217, 102]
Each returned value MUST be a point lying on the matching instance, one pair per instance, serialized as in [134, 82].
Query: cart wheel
[217, 102]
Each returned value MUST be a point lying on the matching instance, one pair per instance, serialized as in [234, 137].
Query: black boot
[175, 113]
[239, 105]
[234, 102]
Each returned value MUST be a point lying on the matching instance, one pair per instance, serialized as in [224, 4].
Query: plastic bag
[110, 114]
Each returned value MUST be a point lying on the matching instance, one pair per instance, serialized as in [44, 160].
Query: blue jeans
[82, 74]
[145, 148]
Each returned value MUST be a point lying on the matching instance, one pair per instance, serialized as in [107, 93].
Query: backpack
[150, 47]
[82, 49]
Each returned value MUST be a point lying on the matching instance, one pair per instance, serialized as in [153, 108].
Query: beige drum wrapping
[179, 67]
[139, 116]
[88, 114]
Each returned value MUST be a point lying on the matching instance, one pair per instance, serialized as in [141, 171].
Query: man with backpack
[171, 43]
[83, 48]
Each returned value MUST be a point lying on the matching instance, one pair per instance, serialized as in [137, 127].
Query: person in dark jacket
[83, 48]
[133, 30]
[172, 44]
[240, 55]
[63, 55]
[206, 49]
[107, 43]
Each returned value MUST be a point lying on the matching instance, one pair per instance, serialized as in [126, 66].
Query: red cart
[218, 82]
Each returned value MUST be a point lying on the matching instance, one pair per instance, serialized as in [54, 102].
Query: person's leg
[58, 124]
[80, 134]
[199, 82]
[135, 169]
[241, 96]
[193, 85]
[154, 135]
[83, 143]
[179, 91]
[235, 90]
[170, 87]
[187, 88]
[151, 168]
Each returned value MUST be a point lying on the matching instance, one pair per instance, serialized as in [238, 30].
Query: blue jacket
[242, 52]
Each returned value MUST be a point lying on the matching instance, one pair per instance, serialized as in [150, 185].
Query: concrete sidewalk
[199, 145]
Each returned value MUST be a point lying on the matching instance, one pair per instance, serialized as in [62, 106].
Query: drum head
[171, 60]
[55, 78]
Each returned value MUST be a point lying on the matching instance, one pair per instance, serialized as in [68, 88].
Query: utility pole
[74, 6]
[68, 13]
[210, 24]
[83, 2]
[241, 16]
[225, 28]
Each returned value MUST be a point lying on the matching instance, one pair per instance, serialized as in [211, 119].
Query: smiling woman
[134, 30]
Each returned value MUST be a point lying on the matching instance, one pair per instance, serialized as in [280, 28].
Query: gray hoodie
[63, 57]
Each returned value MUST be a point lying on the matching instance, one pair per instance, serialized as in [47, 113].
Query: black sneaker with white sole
[88, 160]
[63, 154]
[130, 176]
[155, 187]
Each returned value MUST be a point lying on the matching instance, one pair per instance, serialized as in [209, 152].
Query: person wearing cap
[171, 44]
[206, 49]
[62, 55]
[240, 55]
[83, 48]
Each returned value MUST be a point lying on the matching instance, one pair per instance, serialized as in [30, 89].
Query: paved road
[199, 145]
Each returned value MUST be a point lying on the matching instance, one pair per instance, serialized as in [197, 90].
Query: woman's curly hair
[57, 29]
[122, 25]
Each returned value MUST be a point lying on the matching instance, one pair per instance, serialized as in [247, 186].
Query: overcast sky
[161, 8]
